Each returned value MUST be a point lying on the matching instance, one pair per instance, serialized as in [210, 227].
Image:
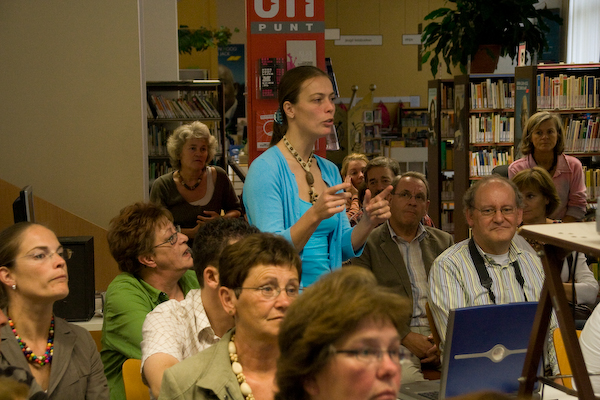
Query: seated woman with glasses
[340, 340]
[259, 277]
[156, 263]
[62, 357]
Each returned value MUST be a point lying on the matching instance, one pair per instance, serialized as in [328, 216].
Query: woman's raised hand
[377, 209]
[330, 202]
[352, 190]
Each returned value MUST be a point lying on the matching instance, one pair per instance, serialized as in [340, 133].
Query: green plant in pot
[203, 38]
[504, 24]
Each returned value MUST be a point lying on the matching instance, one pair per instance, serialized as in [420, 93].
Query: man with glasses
[176, 330]
[156, 263]
[488, 268]
[400, 253]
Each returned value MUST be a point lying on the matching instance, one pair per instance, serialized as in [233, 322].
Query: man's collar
[420, 235]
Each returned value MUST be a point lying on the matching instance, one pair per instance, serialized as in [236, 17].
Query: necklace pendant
[310, 178]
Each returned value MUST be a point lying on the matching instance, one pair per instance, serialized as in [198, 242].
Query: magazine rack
[559, 240]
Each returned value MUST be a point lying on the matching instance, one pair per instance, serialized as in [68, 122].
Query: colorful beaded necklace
[29, 355]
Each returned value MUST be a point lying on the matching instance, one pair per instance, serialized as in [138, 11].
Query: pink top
[569, 182]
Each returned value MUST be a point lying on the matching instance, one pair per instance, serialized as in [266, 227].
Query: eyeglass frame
[172, 240]
[407, 196]
[66, 255]
[360, 354]
[277, 289]
[489, 212]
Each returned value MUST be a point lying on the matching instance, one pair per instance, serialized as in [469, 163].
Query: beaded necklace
[29, 355]
[306, 167]
[236, 367]
[185, 185]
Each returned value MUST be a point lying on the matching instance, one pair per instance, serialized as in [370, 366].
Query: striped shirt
[454, 283]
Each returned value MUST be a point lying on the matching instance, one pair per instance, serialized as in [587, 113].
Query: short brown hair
[538, 178]
[328, 311]
[533, 123]
[131, 234]
[195, 130]
[10, 243]
[469, 197]
[257, 249]
[411, 174]
[384, 162]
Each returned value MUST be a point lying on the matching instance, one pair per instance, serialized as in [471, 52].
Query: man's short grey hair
[469, 197]
[385, 162]
[411, 174]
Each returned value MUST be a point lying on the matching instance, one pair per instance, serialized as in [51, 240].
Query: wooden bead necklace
[306, 167]
[185, 185]
[236, 367]
[29, 355]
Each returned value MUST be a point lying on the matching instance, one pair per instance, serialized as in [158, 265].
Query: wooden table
[576, 236]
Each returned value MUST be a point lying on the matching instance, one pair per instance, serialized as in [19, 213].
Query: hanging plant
[203, 38]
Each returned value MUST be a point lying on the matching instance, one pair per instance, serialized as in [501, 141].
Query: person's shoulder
[452, 252]
[124, 279]
[220, 171]
[327, 165]
[438, 234]
[570, 160]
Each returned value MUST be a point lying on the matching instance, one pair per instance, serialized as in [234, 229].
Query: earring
[14, 287]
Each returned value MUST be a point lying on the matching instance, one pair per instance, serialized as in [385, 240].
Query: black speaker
[79, 305]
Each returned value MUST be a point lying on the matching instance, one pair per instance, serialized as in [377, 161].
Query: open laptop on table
[485, 350]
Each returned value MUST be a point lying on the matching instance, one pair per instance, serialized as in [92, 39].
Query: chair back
[132, 378]
[561, 355]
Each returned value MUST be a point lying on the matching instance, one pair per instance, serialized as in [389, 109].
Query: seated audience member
[62, 357]
[155, 261]
[589, 341]
[400, 253]
[543, 145]
[176, 330]
[493, 208]
[259, 278]
[353, 167]
[540, 200]
[341, 340]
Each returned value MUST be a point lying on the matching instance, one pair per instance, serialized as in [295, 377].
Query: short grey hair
[195, 130]
[384, 162]
[469, 197]
[411, 174]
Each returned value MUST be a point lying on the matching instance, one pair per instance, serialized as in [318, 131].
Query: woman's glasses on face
[172, 239]
[272, 292]
[41, 256]
[370, 355]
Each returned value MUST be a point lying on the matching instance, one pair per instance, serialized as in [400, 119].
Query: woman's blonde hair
[195, 130]
[533, 124]
[352, 157]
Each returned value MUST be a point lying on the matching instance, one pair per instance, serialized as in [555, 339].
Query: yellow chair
[561, 355]
[132, 378]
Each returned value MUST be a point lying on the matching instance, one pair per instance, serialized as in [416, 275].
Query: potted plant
[203, 38]
[473, 23]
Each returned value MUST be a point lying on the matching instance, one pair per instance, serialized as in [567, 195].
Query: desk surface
[577, 236]
[94, 324]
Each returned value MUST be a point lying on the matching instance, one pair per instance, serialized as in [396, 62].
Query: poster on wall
[432, 102]
[232, 72]
[521, 110]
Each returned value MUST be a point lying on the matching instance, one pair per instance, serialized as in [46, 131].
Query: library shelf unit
[572, 91]
[440, 152]
[171, 104]
[484, 133]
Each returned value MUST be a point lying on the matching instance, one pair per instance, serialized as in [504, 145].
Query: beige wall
[72, 103]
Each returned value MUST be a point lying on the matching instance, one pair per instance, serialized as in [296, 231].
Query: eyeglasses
[406, 196]
[369, 355]
[272, 292]
[172, 239]
[488, 212]
[41, 256]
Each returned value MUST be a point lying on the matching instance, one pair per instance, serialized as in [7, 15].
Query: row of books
[492, 95]
[446, 155]
[484, 161]
[581, 135]
[447, 124]
[447, 190]
[158, 168]
[415, 119]
[447, 221]
[157, 140]
[592, 182]
[494, 128]
[447, 97]
[195, 107]
[567, 92]
[372, 147]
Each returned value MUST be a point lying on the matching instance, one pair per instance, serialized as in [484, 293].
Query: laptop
[485, 350]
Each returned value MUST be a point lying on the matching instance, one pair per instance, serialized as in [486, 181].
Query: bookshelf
[484, 132]
[171, 104]
[440, 166]
[572, 91]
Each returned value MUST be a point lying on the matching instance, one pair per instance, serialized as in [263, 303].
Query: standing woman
[292, 192]
[353, 172]
[194, 192]
[62, 357]
[543, 145]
